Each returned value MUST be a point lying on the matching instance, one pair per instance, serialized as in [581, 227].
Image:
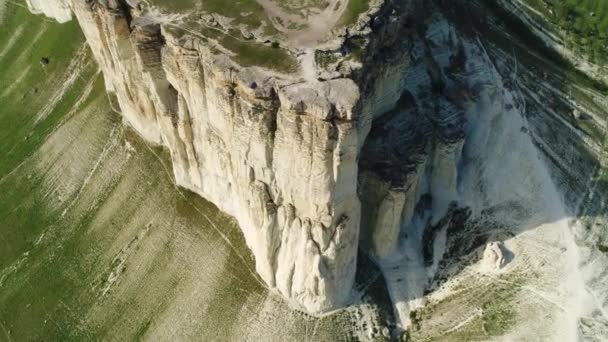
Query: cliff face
[277, 152]
[400, 135]
[280, 158]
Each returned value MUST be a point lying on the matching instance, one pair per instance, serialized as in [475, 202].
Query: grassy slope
[584, 22]
[96, 243]
[587, 12]
[353, 11]
[246, 52]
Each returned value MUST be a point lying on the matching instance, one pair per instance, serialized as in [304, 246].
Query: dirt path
[307, 65]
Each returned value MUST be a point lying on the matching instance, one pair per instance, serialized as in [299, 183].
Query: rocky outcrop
[56, 9]
[493, 256]
[414, 149]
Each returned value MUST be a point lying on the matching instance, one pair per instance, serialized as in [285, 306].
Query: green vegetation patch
[27, 83]
[353, 10]
[325, 58]
[248, 52]
[484, 311]
[585, 23]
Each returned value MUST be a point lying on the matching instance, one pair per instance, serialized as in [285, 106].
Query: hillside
[285, 170]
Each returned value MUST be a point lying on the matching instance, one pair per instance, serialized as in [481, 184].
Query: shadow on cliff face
[532, 170]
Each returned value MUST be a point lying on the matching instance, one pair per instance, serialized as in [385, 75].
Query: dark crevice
[124, 8]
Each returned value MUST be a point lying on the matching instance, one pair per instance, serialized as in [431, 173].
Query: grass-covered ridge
[252, 12]
[247, 12]
[353, 10]
[584, 22]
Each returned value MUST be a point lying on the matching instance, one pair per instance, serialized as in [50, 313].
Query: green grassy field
[492, 315]
[353, 10]
[584, 22]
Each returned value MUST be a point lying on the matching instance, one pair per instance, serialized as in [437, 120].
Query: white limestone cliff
[278, 155]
